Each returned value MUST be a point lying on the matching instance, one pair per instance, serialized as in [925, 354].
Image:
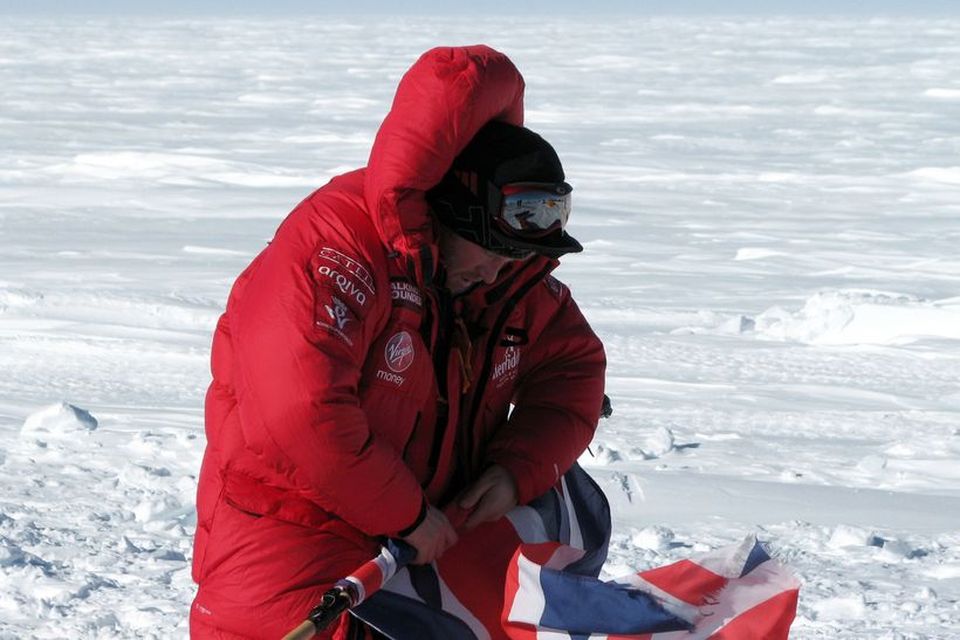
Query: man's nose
[489, 270]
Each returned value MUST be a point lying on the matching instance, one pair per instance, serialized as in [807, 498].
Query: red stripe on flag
[370, 575]
[475, 570]
[686, 581]
[769, 620]
[539, 553]
[517, 630]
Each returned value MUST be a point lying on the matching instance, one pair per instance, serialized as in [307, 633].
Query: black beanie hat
[498, 154]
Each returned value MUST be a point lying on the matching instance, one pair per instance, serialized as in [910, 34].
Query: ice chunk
[844, 608]
[655, 538]
[659, 443]
[59, 420]
[853, 316]
[848, 536]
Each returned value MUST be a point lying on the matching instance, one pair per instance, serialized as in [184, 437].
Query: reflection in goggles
[535, 209]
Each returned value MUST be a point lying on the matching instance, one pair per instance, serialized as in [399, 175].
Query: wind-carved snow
[769, 208]
[845, 317]
[862, 317]
[59, 420]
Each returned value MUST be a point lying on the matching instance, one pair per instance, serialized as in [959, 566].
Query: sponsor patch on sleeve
[346, 274]
[404, 293]
[399, 352]
[343, 291]
[506, 367]
[333, 315]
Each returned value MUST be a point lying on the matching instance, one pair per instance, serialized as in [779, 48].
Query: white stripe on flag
[400, 584]
[529, 603]
[563, 557]
[576, 536]
[387, 564]
[726, 562]
[742, 594]
[668, 601]
[528, 524]
[361, 592]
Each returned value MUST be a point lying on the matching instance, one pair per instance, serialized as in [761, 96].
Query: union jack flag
[533, 576]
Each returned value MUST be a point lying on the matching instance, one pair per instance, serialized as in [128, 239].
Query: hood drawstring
[464, 347]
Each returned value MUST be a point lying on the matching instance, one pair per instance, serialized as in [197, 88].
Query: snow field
[769, 210]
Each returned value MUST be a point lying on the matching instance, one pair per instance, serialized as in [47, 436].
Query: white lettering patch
[345, 284]
[406, 294]
[506, 370]
[350, 267]
[394, 378]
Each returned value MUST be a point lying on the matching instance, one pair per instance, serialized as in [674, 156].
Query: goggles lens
[535, 209]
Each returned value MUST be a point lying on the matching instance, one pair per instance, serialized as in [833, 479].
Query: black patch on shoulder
[515, 337]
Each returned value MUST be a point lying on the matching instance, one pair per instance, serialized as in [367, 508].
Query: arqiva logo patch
[399, 352]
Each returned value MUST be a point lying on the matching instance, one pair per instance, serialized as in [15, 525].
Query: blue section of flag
[423, 603]
[591, 511]
[576, 504]
[586, 605]
[400, 618]
[758, 555]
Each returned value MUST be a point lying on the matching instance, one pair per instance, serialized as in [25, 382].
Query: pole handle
[304, 632]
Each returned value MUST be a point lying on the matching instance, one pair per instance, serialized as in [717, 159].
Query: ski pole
[355, 588]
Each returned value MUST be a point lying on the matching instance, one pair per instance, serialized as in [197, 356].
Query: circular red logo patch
[399, 352]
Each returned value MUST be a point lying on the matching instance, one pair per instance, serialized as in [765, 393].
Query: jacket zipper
[492, 341]
[440, 346]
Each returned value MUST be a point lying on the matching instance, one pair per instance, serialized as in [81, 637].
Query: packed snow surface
[770, 212]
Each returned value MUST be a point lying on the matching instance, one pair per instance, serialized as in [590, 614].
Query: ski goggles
[530, 211]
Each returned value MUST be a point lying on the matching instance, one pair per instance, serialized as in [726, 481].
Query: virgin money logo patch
[399, 352]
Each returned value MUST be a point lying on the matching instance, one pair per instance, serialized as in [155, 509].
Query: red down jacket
[326, 424]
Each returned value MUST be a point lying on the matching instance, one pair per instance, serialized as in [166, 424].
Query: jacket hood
[440, 104]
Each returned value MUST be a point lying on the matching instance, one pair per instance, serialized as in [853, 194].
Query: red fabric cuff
[403, 533]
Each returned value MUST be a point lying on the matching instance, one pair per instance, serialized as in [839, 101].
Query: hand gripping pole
[355, 588]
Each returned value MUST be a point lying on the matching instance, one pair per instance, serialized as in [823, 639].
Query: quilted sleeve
[300, 334]
[557, 405]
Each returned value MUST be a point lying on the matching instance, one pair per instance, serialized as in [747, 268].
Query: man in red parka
[368, 360]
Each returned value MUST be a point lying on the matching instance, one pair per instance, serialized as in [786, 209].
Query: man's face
[468, 263]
